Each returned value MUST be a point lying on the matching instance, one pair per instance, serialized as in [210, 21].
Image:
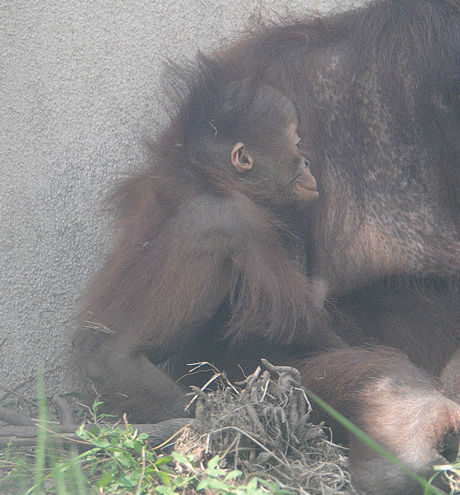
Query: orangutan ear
[240, 159]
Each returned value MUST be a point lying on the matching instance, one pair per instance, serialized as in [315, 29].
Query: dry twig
[262, 426]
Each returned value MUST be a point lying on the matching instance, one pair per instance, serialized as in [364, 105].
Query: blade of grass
[78, 476]
[40, 455]
[56, 470]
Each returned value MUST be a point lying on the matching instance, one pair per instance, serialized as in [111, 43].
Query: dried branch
[159, 433]
[23, 431]
[262, 427]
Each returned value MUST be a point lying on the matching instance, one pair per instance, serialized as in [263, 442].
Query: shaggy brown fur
[214, 268]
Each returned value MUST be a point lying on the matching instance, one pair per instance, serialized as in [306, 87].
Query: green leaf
[130, 480]
[213, 484]
[164, 477]
[129, 444]
[88, 454]
[163, 460]
[253, 484]
[101, 443]
[125, 459]
[184, 480]
[182, 459]
[213, 463]
[138, 448]
[96, 405]
[233, 474]
[165, 490]
[104, 480]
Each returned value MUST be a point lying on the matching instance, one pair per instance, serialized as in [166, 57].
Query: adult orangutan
[223, 234]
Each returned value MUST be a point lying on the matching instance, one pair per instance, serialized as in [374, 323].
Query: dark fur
[208, 262]
[377, 97]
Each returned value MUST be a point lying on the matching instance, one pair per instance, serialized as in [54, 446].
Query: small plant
[122, 462]
[119, 461]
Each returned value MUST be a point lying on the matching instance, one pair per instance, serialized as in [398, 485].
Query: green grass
[118, 461]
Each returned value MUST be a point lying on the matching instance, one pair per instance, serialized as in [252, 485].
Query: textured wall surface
[79, 90]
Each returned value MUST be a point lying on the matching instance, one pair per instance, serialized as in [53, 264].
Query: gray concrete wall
[79, 90]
